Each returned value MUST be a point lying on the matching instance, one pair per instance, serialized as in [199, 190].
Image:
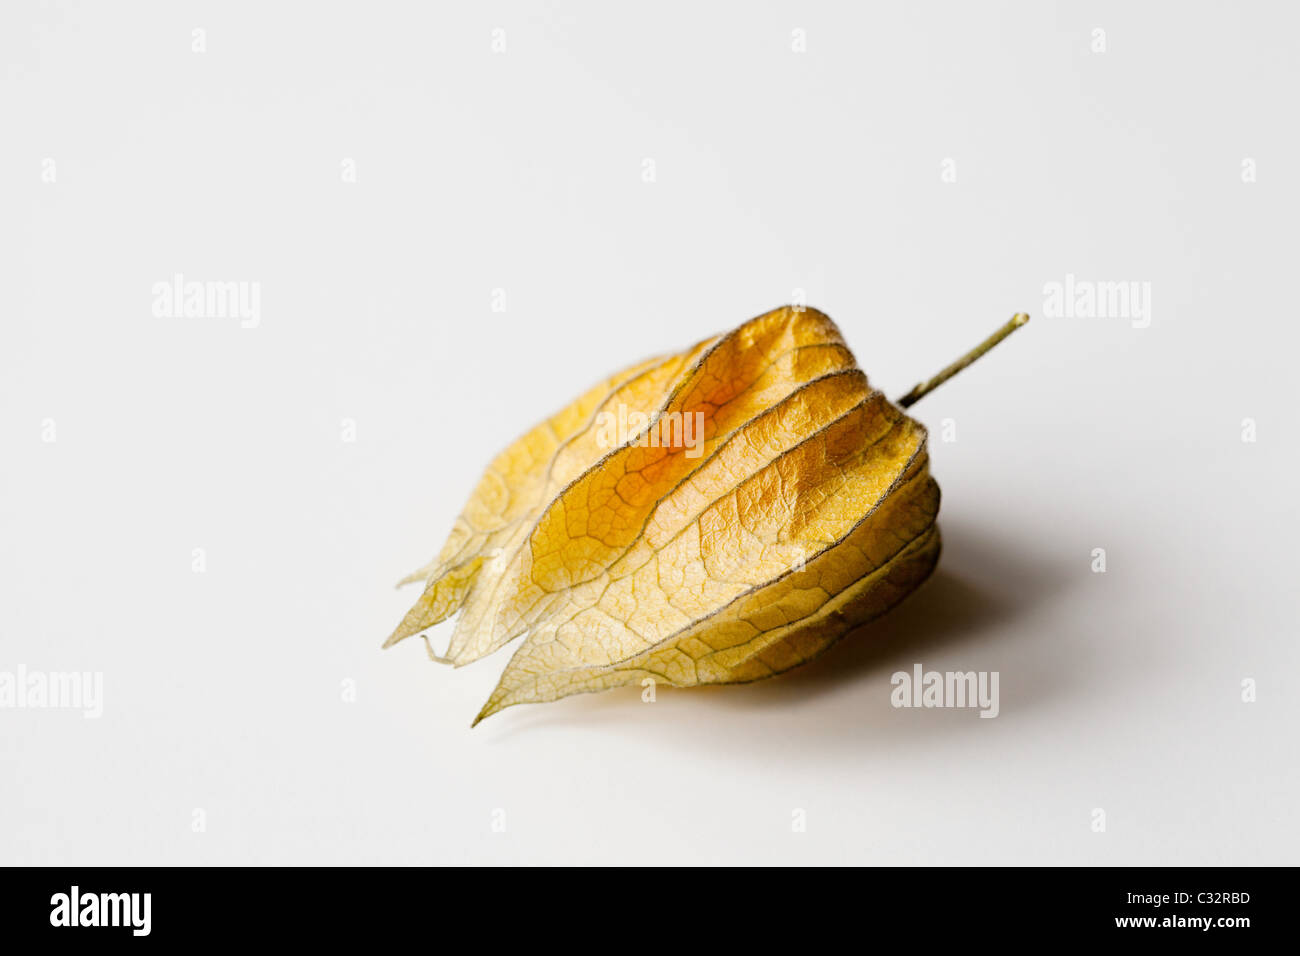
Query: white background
[523, 171]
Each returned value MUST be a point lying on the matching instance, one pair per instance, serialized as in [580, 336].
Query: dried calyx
[711, 517]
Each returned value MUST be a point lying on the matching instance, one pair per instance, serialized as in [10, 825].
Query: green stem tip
[925, 388]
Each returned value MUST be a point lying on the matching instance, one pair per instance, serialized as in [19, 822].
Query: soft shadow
[980, 586]
[986, 582]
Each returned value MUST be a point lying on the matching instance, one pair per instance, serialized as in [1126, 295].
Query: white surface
[523, 171]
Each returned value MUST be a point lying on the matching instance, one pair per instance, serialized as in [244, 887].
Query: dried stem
[926, 387]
